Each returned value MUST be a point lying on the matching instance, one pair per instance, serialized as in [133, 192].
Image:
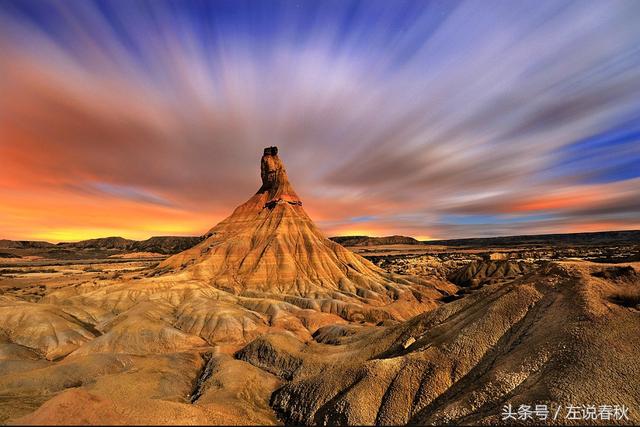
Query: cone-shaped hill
[270, 245]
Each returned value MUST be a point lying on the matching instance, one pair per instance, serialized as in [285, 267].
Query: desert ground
[264, 320]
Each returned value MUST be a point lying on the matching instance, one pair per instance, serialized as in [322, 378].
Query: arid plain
[264, 320]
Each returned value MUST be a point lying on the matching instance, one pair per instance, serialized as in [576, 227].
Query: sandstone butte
[269, 247]
[267, 321]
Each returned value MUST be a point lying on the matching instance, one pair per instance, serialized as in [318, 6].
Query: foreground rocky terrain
[266, 321]
[559, 334]
[556, 335]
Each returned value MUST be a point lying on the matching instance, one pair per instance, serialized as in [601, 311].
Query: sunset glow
[433, 119]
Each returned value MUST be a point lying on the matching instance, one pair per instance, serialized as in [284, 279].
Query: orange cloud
[570, 198]
[63, 216]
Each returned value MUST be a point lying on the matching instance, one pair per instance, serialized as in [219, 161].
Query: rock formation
[270, 246]
[478, 272]
[349, 241]
[556, 336]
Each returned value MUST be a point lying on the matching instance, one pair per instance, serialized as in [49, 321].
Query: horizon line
[338, 235]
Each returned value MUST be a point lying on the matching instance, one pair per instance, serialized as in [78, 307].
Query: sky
[433, 119]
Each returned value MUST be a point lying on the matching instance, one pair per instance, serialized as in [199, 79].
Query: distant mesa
[158, 244]
[97, 248]
[375, 241]
[541, 240]
[24, 244]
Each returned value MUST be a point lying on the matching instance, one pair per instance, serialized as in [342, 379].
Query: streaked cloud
[434, 119]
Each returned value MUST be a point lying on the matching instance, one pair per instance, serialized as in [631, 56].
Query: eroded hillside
[266, 321]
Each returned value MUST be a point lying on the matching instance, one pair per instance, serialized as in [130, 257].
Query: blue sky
[436, 119]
